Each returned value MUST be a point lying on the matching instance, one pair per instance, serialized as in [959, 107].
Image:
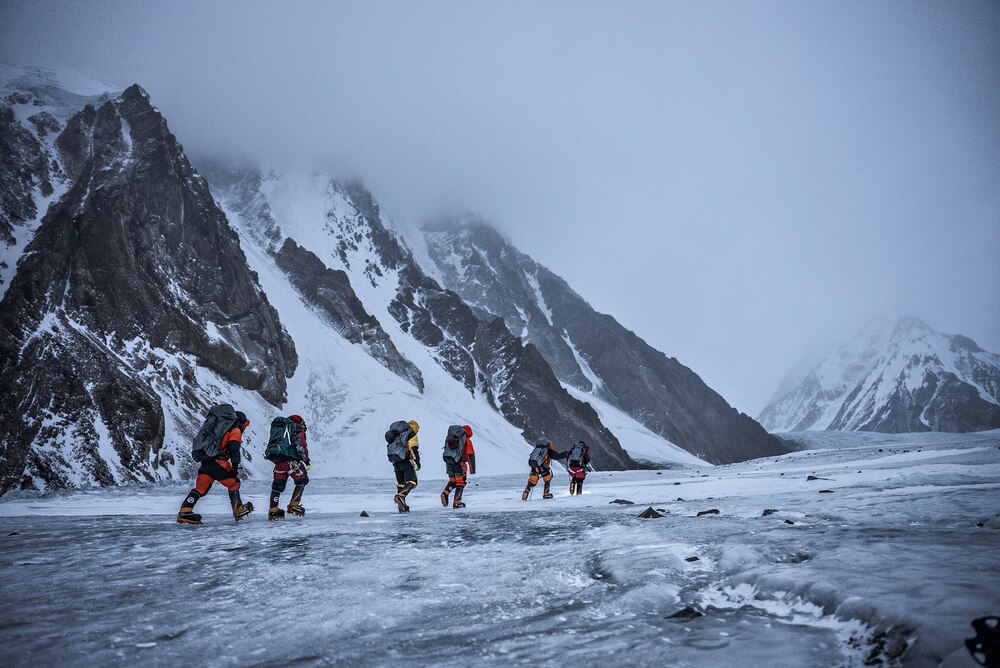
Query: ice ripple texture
[886, 570]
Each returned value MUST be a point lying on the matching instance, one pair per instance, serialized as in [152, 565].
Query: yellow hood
[414, 426]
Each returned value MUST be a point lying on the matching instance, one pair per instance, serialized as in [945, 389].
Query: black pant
[406, 476]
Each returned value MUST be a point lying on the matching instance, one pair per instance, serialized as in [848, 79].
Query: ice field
[887, 566]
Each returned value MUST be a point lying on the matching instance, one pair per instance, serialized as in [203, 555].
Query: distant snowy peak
[895, 376]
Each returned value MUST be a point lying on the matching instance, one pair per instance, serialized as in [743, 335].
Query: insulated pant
[220, 470]
[213, 470]
[282, 471]
[456, 474]
[543, 472]
[406, 477]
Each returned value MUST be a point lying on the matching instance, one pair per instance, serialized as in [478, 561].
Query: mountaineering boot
[546, 494]
[458, 498]
[572, 486]
[526, 493]
[295, 503]
[444, 495]
[188, 518]
[187, 514]
[401, 503]
[275, 513]
[579, 487]
[240, 509]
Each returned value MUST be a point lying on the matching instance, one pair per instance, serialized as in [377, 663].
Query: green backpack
[282, 446]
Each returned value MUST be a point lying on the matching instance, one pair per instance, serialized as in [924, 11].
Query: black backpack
[454, 444]
[578, 454]
[395, 440]
[282, 446]
[207, 443]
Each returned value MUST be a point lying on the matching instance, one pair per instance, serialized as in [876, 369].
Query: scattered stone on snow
[826, 491]
[768, 511]
[649, 514]
[364, 513]
[623, 502]
[693, 559]
[710, 511]
[685, 615]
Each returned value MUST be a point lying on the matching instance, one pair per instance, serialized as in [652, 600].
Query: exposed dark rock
[623, 502]
[768, 511]
[685, 615]
[692, 559]
[649, 514]
[676, 483]
[331, 293]
[364, 513]
[826, 491]
[711, 511]
[23, 167]
[812, 477]
[136, 258]
[789, 522]
[659, 392]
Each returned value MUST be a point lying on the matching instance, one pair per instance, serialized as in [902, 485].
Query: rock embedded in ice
[649, 514]
[710, 511]
[826, 491]
[684, 615]
[623, 502]
[768, 511]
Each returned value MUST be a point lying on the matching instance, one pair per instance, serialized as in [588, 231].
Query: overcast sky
[738, 182]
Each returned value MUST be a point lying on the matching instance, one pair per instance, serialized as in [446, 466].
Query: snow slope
[347, 397]
[888, 567]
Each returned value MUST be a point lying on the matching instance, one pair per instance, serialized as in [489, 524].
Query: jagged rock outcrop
[896, 375]
[330, 291]
[133, 274]
[515, 378]
[590, 350]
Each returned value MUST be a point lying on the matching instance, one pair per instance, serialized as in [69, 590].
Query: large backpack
[454, 444]
[282, 445]
[537, 456]
[207, 443]
[395, 441]
[578, 454]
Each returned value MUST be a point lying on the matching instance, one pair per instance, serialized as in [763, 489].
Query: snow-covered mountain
[895, 376]
[132, 306]
[455, 353]
[136, 293]
[601, 361]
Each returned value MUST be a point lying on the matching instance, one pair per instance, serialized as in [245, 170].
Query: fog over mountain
[736, 183]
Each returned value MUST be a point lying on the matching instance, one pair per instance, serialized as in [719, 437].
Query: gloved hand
[308, 468]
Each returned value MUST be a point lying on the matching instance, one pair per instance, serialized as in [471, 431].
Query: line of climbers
[217, 447]
[403, 451]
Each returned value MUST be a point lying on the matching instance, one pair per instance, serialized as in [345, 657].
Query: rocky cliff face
[481, 355]
[589, 350]
[132, 281]
[895, 376]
